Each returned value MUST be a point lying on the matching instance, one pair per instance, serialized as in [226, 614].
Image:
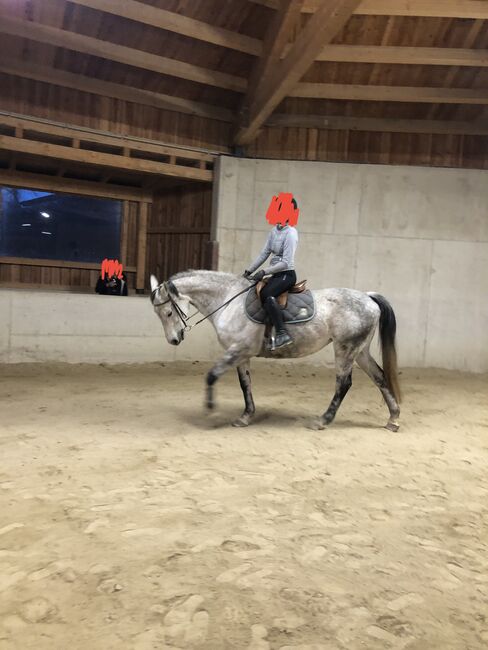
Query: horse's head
[172, 309]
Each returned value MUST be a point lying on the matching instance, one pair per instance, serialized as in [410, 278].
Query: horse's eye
[170, 313]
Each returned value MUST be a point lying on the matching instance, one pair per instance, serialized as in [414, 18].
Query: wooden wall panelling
[72, 106]
[438, 150]
[179, 230]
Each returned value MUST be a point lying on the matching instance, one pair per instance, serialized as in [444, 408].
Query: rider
[282, 242]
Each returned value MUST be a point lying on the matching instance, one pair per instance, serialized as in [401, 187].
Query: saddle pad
[299, 309]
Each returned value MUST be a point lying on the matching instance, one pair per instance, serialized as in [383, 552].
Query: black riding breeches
[278, 284]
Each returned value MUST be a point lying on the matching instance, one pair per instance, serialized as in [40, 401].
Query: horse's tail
[387, 339]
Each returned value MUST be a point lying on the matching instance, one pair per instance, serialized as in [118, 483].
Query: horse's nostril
[174, 341]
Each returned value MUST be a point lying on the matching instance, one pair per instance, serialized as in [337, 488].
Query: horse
[347, 318]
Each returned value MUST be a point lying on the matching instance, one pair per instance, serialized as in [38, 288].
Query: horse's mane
[190, 272]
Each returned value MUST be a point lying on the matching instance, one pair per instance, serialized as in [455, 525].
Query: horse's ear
[173, 289]
[154, 283]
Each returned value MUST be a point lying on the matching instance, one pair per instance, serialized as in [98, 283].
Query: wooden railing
[25, 135]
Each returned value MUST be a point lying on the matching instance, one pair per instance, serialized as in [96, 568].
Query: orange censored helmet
[111, 268]
[283, 208]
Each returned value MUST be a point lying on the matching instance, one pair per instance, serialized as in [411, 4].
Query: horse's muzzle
[181, 337]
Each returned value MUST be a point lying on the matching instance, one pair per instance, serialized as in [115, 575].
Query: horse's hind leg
[344, 360]
[243, 371]
[366, 362]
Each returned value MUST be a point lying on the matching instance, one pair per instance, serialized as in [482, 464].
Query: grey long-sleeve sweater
[283, 244]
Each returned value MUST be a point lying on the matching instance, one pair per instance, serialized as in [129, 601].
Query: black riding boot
[282, 337]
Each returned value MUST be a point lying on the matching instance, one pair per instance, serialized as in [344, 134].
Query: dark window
[58, 226]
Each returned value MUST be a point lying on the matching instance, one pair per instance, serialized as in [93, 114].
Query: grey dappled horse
[344, 317]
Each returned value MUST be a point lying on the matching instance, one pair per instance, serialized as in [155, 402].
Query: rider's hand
[257, 277]
[247, 274]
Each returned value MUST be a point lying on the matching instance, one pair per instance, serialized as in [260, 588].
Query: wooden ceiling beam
[383, 125]
[70, 186]
[405, 55]
[196, 29]
[29, 70]
[423, 8]
[329, 19]
[173, 22]
[277, 36]
[119, 53]
[373, 93]
[475, 9]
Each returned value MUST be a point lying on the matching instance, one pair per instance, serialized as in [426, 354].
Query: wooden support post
[124, 232]
[142, 245]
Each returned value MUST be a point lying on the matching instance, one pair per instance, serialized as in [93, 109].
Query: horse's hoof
[242, 421]
[317, 425]
[210, 405]
[392, 426]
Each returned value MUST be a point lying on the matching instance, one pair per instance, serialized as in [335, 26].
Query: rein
[183, 317]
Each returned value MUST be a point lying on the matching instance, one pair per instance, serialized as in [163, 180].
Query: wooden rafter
[424, 8]
[383, 125]
[196, 29]
[120, 53]
[329, 19]
[405, 55]
[418, 94]
[29, 70]
[277, 36]
[173, 22]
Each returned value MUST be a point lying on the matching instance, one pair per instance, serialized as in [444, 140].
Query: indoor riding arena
[178, 471]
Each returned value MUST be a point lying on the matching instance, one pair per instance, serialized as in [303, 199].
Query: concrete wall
[417, 235]
[80, 328]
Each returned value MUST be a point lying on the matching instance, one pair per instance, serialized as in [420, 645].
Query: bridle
[184, 318]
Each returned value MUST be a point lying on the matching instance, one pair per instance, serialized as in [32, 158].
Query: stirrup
[287, 341]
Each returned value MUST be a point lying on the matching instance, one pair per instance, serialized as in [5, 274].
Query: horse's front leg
[344, 360]
[243, 371]
[233, 356]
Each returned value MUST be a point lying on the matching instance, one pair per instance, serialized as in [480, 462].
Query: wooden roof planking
[388, 66]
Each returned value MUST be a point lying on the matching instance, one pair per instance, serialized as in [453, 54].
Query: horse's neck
[205, 290]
